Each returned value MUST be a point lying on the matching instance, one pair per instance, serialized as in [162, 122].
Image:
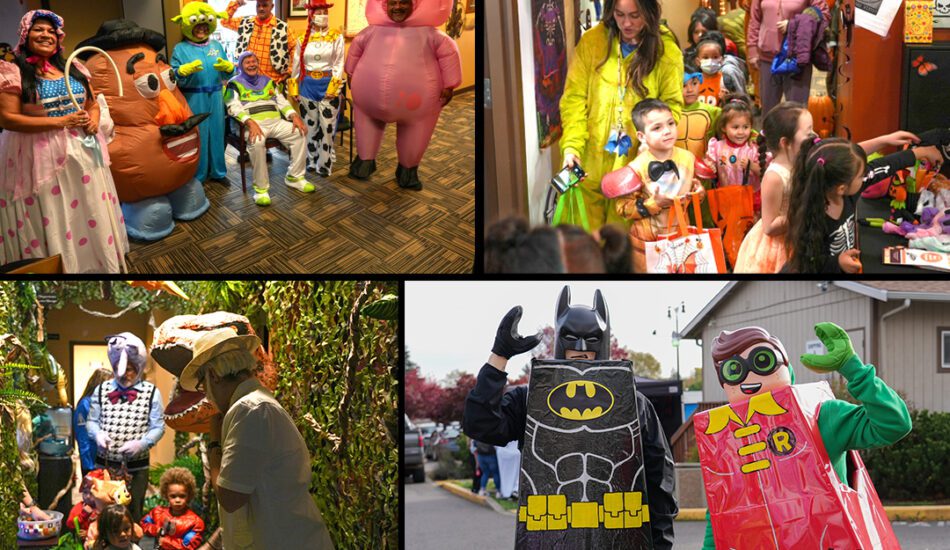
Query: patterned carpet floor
[346, 225]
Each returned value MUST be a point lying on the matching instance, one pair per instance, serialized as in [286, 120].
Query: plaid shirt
[260, 41]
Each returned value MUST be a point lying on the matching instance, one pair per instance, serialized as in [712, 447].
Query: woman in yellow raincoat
[628, 57]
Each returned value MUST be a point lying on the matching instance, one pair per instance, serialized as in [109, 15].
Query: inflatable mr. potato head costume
[779, 462]
[155, 147]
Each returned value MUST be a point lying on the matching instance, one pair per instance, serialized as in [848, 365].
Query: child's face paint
[691, 91]
[757, 369]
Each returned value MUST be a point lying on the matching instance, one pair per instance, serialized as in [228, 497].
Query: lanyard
[619, 142]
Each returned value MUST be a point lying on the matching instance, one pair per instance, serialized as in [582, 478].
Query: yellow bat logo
[580, 400]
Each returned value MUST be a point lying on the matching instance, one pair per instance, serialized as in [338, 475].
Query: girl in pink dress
[732, 154]
[783, 130]
[57, 195]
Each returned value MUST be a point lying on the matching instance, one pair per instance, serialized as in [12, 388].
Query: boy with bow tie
[126, 415]
[662, 173]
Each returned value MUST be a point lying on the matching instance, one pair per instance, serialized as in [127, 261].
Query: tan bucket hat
[211, 344]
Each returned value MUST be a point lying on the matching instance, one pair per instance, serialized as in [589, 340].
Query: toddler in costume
[732, 155]
[175, 526]
[661, 174]
[699, 119]
[116, 529]
[783, 130]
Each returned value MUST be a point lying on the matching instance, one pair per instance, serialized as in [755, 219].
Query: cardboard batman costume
[596, 469]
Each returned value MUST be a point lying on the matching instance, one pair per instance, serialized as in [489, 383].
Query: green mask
[194, 14]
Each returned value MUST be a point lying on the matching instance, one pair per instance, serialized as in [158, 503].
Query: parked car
[448, 440]
[414, 451]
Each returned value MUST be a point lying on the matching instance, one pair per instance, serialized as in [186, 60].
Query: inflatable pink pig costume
[403, 70]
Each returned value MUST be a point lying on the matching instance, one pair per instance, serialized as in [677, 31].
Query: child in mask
[722, 73]
[318, 74]
[698, 122]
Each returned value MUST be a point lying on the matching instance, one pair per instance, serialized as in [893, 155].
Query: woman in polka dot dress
[56, 192]
[319, 81]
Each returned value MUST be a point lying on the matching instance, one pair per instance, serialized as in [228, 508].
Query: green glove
[223, 65]
[839, 349]
[191, 68]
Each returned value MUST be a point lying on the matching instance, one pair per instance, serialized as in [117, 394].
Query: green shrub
[915, 468]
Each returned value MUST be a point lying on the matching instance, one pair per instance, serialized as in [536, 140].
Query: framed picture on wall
[469, 6]
[355, 17]
[298, 8]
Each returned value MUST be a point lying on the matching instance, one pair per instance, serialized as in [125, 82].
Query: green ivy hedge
[915, 468]
[336, 379]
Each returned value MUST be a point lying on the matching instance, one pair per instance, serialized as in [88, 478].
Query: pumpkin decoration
[822, 110]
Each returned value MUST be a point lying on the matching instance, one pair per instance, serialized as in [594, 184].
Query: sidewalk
[468, 495]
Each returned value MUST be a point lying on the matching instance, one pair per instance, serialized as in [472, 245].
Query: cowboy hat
[212, 344]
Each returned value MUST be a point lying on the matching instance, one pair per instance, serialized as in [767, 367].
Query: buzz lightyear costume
[256, 98]
[201, 71]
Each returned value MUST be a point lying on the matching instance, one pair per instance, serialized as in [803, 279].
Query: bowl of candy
[30, 529]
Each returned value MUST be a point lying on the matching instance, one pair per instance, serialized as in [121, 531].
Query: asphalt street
[438, 519]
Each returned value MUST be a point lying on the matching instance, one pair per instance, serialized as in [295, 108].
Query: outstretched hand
[838, 343]
[508, 342]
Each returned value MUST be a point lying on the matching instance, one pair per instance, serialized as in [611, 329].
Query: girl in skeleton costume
[319, 74]
[828, 176]
[55, 160]
[126, 416]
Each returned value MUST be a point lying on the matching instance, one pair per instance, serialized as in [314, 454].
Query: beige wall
[75, 326]
[910, 352]
[676, 13]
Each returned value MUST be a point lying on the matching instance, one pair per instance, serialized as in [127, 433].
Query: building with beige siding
[902, 327]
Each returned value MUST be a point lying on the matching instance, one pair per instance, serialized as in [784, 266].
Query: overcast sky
[451, 325]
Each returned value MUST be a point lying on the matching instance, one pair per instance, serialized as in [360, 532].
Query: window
[943, 349]
[225, 36]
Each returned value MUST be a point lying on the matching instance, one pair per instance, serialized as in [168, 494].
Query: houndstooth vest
[124, 422]
[279, 51]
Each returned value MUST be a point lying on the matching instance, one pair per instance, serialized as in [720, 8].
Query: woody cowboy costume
[270, 39]
[316, 79]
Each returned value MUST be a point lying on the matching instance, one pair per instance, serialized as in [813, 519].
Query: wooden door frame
[505, 176]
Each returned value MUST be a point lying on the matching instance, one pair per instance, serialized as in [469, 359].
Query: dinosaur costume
[154, 146]
[201, 72]
[589, 108]
[172, 345]
[779, 461]
[398, 72]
